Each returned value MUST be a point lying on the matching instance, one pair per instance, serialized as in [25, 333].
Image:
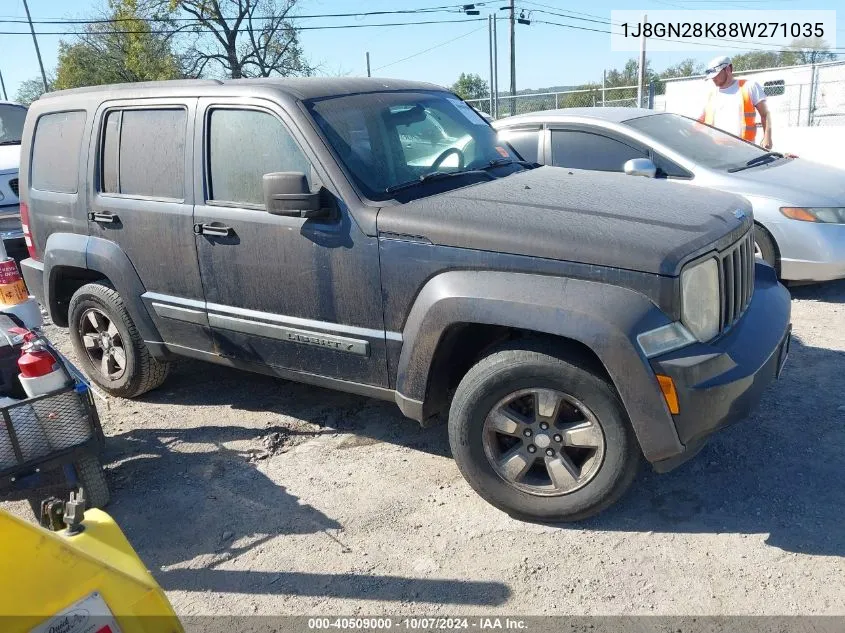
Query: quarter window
[55, 151]
[584, 150]
[143, 153]
[243, 145]
[524, 142]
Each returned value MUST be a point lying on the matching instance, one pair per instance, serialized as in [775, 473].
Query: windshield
[387, 140]
[697, 142]
[11, 124]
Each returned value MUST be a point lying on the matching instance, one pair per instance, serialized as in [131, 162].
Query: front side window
[143, 153]
[243, 145]
[55, 151]
[396, 139]
[585, 150]
[12, 118]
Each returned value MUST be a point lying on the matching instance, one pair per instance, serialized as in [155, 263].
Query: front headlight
[700, 299]
[827, 215]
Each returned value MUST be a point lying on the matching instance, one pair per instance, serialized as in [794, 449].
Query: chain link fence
[794, 104]
[625, 96]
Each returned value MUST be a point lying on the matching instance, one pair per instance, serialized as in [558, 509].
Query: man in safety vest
[732, 105]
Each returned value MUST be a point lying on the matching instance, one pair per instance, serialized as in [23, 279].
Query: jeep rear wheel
[108, 345]
[540, 436]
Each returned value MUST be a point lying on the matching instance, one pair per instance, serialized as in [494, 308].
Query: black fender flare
[106, 258]
[603, 317]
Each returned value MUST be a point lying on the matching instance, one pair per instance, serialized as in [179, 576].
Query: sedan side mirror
[640, 167]
[287, 193]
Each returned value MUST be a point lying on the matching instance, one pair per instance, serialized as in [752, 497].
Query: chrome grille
[13, 185]
[736, 280]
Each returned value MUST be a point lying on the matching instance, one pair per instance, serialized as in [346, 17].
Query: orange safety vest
[749, 113]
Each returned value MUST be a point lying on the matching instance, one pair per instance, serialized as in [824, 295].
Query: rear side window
[584, 150]
[143, 153]
[243, 145]
[524, 142]
[55, 152]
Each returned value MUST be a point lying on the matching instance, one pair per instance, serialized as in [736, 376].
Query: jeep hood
[603, 219]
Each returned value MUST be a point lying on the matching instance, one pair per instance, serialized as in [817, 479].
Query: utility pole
[3, 85]
[513, 58]
[37, 51]
[495, 86]
[603, 85]
[641, 79]
[368, 64]
[490, 42]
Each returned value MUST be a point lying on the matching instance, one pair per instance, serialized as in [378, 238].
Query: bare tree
[237, 38]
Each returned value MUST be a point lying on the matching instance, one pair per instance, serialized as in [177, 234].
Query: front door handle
[104, 217]
[213, 228]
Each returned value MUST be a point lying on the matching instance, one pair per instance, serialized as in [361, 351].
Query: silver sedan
[799, 206]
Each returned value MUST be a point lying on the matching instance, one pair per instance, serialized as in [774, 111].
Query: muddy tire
[109, 346]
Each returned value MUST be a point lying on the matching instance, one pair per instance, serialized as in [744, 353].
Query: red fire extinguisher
[40, 371]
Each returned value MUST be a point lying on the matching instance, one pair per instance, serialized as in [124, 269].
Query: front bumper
[810, 251]
[720, 382]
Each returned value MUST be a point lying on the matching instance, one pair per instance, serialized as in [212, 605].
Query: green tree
[811, 50]
[31, 89]
[122, 50]
[471, 86]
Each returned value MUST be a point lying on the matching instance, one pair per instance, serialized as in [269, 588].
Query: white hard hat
[716, 65]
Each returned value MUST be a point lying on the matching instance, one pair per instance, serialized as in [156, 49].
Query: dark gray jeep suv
[374, 236]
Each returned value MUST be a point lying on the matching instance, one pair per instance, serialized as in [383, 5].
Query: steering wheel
[442, 158]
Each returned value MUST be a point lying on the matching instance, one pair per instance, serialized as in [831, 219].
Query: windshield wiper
[757, 160]
[10, 142]
[436, 175]
[501, 162]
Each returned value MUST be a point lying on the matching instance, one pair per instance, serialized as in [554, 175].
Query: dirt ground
[250, 495]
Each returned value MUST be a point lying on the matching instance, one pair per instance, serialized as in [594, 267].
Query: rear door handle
[213, 228]
[103, 218]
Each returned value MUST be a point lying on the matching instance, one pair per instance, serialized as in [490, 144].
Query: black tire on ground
[525, 365]
[142, 372]
[92, 479]
[766, 245]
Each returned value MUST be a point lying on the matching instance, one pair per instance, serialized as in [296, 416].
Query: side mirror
[640, 167]
[287, 193]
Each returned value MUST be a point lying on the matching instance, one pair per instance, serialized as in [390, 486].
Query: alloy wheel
[543, 442]
[103, 344]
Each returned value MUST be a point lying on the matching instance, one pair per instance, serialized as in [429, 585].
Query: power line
[454, 39]
[421, 10]
[299, 28]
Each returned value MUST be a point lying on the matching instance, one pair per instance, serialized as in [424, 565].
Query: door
[142, 200]
[301, 294]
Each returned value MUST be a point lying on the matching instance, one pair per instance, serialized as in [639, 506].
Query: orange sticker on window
[502, 151]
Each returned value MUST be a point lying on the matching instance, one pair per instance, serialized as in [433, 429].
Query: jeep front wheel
[540, 436]
[108, 345]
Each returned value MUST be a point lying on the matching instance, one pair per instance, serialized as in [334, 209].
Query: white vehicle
[12, 116]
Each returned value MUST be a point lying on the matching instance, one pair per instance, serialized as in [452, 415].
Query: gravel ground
[250, 495]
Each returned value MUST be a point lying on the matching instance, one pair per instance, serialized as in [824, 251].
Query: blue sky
[546, 55]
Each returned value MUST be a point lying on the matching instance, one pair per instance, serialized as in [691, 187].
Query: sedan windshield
[701, 144]
[11, 124]
[390, 141]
